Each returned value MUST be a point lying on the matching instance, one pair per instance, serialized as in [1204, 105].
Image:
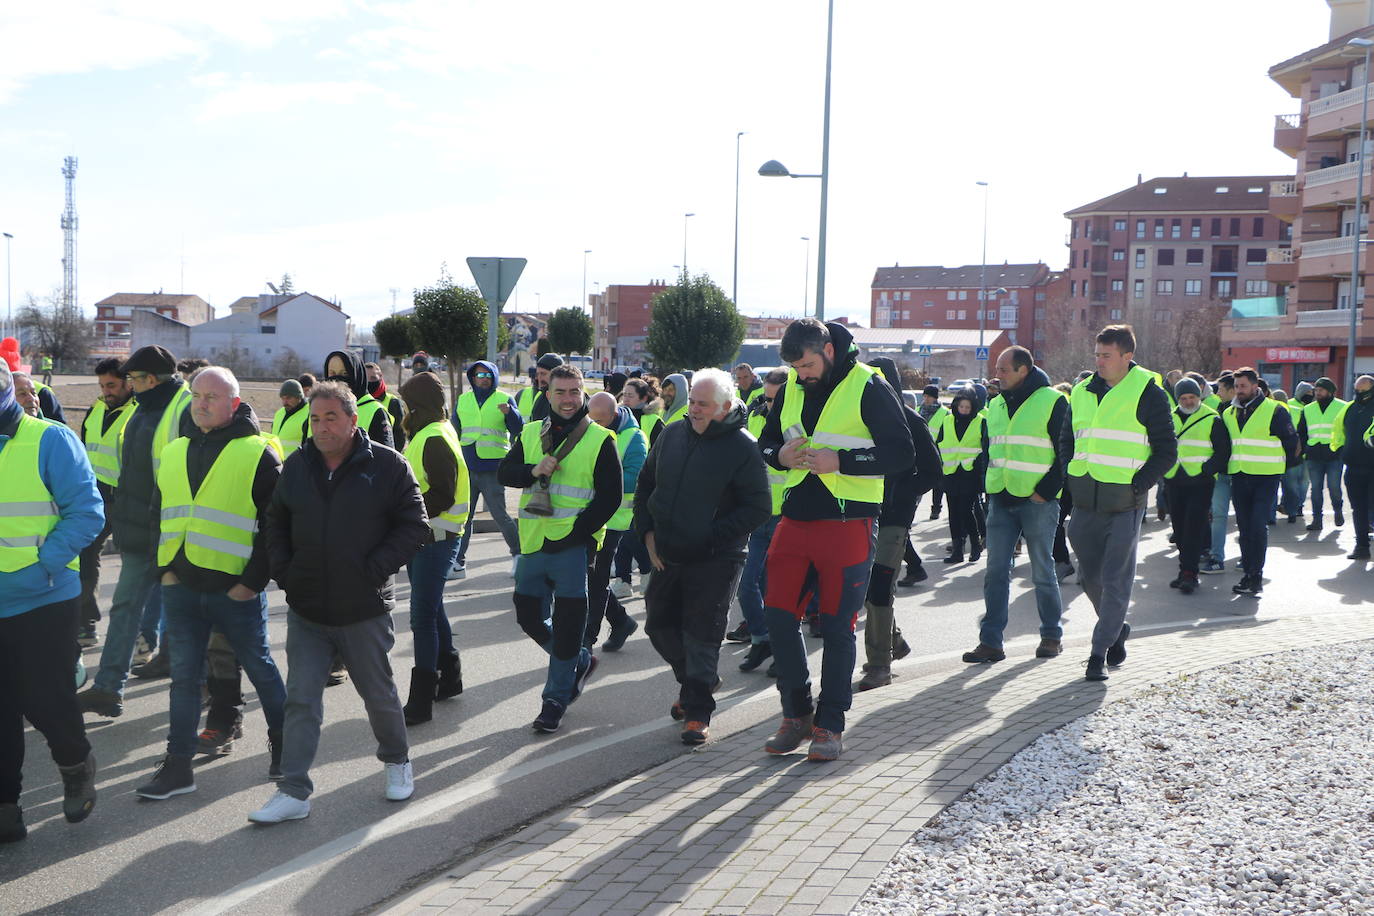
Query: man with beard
[675, 389]
[394, 406]
[1349, 439]
[1263, 444]
[571, 465]
[1315, 428]
[533, 402]
[837, 428]
[102, 431]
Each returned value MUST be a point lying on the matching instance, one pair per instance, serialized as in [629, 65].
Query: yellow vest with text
[1194, 441]
[27, 510]
[290, 431]
[1254, 450]
[169, 425]
[777, 480]
[455, 518]
[1020, 451]
[484, 425]
[571, 488]
[1109, 443]
[621, 520]
[840, 427]
[215, 527]
[103, 448]
[960, 451]
[1321, 423]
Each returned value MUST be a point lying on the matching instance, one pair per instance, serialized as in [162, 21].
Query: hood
[716, 428]
[1035, 380]
[888, 368]
[243, 423]
[423, 394]
[625, 419]
[355, 377]
[681, 391]
[479, 393]
[615, 383]
[980, 396]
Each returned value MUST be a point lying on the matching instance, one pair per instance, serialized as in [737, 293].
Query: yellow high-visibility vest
[455, 518]
[27, 510]
[215, 527]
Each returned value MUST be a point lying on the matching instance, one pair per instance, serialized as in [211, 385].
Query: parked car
[959, 384]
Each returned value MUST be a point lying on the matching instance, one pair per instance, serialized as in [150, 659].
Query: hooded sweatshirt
[424, 397]
[514, 422]
[1053, 481]
[633, 460]
[201, 452]
[901, 492]
[355, 377]
[961, 425]
[681, 393]
[881, 412]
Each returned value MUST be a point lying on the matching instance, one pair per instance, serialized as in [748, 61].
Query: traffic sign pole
[496, 279]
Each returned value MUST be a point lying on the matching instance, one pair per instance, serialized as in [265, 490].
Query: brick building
[947, 297]
[620, 318]
[114, 314]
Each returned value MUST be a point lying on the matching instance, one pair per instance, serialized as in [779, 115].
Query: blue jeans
[191, 615]
[1253, 497]
[1294, 489]
[1006, 522]
[1221, 508]
[753, 580]
[428, 620]
[630, 553]
[1327, 474]
[153, 624]
[137, 579]
[546, 576]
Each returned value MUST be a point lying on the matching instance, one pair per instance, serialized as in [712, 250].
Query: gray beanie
[1187, 386]
[549, 361]
[1302, 390]
[291, 388]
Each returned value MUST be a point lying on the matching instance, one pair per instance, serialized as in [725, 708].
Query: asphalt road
[480, 770]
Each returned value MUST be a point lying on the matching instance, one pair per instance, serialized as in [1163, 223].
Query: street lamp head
[773, 169]
[1000, 291]
[981, 184]
[8, 236]
[685, 215]
[1360, 43]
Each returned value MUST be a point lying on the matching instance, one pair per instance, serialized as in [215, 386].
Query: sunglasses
[483, 374]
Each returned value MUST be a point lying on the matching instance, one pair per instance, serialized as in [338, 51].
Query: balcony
[1333, 186]
[1288, 134]
[1261, 323]
[1335, 113]
[1328, 318]
[1284, 199]
[1324, 257]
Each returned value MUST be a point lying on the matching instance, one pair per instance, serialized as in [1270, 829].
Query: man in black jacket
[836, 460]
[133, 516]
[1349, 439]
[213, 564]
[346, 514]
[701, 491]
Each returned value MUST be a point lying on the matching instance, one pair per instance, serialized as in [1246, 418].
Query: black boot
[12, 827]
[450, 676]
[956, 555]
[159, 666]
[78, 789]
[274, 754]
[759, 652]
[420, 704]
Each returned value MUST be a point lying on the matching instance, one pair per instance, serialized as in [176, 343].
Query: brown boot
[1048, 648]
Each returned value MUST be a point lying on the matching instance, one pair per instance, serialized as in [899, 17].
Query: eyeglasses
[482, 374]
[139, 376]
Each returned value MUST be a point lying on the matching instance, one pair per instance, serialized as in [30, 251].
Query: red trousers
[829, 557]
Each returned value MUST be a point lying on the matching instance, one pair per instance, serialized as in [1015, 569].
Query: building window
[1073, 229]
[1140, 228]
[1164, 287]
[1159, 228]
[1118, 286]
[963, 314]
[1216, 227]
[1118, 254]
[1195, 256]
[1176, 229]
[927, 324]
[1224, 289]
[1192, 287]
[930, 304]
[906, 295]
[1195, 229]
[1234, 227]
[1039, 297]
[906, 313]
[963, 294]
[1255, 255]
[1039, 314]
[1162, 315]
[951, 295]
[1257, 230]
[992, 314]
[1116, 314]
[1140, 257]
[1119, 225]
[1256, 287]
[949, 314]
[1073, 288]
[1164, 257]
[1140, 289]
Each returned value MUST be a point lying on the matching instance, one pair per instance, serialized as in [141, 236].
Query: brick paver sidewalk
[730, 829]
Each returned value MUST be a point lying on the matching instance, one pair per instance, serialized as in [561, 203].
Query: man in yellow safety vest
[102, 431]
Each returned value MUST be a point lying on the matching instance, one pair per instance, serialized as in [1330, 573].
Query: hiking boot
[580, 682]
[274, 754]
[1361, 552]
[1187, 583]
[142, 652]
[615, 641]
[1097, 669]
[1117, 653]
[173, 777]
[825, 745]
[12, 827]
[984, 654]
[1064, 570]
[900, 647]
[739, 633]
[1177, 582]
[216, 742]
[86, 635]
[955, 557]
[78, 789]
[450, 683]
[759, 652]
[1340, 516]
[1316, 524]
[400, 781]
[157, 667]
[419, 705]
[1049, 648]
[875, 677]
[789, 736]
[914, 575]
[281, 807]
[550, 717]
[337, 674]
[101, 702]
[694, 732]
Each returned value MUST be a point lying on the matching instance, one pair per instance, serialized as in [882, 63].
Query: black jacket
[134, 520]
[1152, 412]
[1356, 453]
[902, 491]
[1281, 426]
[702, 494]
[1221, 453]
[881, 411]
[1322, 450]
[1049, 486]
[335, 539]
[201, 452]
[356, 379]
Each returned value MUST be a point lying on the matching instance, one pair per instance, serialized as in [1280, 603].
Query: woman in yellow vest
[1204, 447]
[436, 457]
[963, 440]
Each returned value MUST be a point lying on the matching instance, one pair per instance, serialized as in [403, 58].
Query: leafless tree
[47, 327]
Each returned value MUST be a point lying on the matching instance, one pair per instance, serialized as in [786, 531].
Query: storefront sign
[1297, 355]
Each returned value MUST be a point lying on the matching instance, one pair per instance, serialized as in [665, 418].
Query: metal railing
[1328, 318]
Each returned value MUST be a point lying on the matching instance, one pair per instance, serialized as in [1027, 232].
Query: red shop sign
[1297, 355]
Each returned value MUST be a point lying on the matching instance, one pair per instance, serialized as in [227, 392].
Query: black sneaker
[759, 652]
[580, 683]
[914, 576]
[173, 777]
[1316, 525]
[900, 647]
[78, 789]
[12, 827]
[86, 635]
[1187, 583]
[739, 633]
[984, 654]
[1361, 552]
[155, 668]
[1117, 653]
[772, 670]
[1177, 583]
[616, 640]
[550, 717]
[1246, 586]
[101, 702]
[217, 742]
[1340, 516]
[1097, 669]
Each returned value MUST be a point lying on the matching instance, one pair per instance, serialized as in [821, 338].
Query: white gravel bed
[1244, 789]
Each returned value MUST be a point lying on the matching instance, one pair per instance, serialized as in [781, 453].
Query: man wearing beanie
[1315, 427]
[289, 423]
[160, 418]
[1204, 448]
[533, 402]
[42, 463]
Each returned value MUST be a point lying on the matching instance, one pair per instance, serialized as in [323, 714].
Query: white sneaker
[142, 652]
[281, 807]
[514, 562]
[456, 571]
[400, 781]
[621, 589]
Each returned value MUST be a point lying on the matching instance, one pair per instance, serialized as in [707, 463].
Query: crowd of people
[793, 494]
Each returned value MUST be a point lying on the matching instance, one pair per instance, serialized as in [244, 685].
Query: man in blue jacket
[484, 445]
[49, 510]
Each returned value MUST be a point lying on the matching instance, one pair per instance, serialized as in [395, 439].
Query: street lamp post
[585, 252]
[9, 288]
[1366, 45]
[734, 285]
[983, 286]
[685, 217]
[806, 275]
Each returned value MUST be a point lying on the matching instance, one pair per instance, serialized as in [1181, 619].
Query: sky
[359, 145]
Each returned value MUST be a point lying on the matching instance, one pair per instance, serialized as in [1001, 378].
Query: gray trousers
[310, 648]
[494, 498]
[1105, 544]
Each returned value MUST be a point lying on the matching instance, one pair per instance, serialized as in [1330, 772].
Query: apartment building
[948, 298]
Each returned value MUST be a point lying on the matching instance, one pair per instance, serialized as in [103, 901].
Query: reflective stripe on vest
[455, 518]
[840, 426]
[1020, 450]
[484, 425]
[1255, 450]
[1109, 443]
[215, 527]
[1194, 441]
[957, 451]
[570, 489]
[290, 431]
[106, 443]
[622, 518]
[169, 425]
[777, 480]
[1321, 423]
[27, 511]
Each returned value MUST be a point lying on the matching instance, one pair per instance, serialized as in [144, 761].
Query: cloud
[250, 97]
